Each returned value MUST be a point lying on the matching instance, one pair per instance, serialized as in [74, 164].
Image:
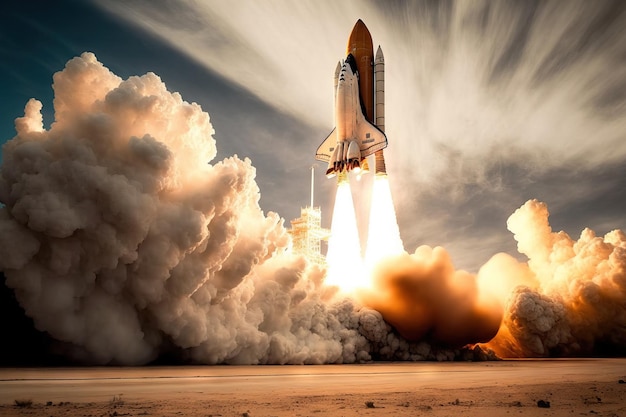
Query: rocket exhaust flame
[345, 265]
[383, 234]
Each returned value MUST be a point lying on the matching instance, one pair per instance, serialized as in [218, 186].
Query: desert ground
[567, 387]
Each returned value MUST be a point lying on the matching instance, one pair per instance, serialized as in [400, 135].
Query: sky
[489, 104]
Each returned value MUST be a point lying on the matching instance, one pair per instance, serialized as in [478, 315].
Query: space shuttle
[359, 129]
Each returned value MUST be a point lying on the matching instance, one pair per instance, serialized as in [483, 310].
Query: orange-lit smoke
[569, 299]
[424, 297]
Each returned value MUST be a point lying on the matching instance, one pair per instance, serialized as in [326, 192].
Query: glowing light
[345, 266]
[384, 236]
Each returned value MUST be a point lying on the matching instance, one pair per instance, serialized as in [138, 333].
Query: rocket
[359, 109]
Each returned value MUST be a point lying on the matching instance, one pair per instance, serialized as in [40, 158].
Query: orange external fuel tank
[361, 47]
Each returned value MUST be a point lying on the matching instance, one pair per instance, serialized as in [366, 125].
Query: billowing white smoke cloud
[571, 297]
[121, 239]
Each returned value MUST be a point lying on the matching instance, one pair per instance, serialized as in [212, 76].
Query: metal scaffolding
[307, 232]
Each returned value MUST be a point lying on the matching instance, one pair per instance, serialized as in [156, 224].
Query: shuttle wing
[326, 149]
[370, 138]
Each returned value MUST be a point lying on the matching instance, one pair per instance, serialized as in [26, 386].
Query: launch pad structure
[306, 231]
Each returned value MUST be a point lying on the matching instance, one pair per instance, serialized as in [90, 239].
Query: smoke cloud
[124, 240]
[569, 299]
[425, 298]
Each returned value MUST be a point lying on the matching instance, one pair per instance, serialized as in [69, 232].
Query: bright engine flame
[384, 236]
[345, 266]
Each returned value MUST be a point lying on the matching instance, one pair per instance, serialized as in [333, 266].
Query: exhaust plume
[383, 238]
[345, 266]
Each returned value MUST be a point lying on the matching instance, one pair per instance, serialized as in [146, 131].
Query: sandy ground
[571, 387]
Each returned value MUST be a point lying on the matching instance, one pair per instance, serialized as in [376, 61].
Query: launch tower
[307, 232]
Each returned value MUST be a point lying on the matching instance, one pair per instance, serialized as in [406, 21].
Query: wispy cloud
[473, 88]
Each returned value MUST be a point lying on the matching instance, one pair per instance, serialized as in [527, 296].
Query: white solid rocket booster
[379, 79]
